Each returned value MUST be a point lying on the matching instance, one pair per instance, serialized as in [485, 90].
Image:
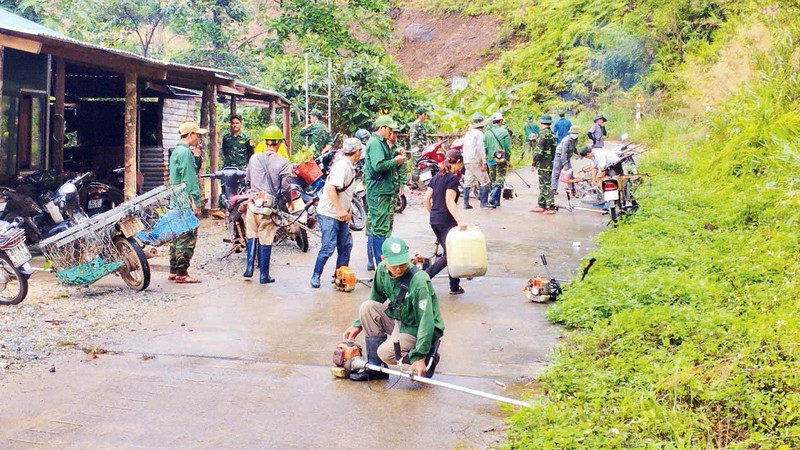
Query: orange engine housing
[345, 279]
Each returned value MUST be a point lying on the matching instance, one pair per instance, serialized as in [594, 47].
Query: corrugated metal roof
[20, 25]
[14, 22]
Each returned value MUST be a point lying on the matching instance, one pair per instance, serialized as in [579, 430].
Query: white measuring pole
[433, 382]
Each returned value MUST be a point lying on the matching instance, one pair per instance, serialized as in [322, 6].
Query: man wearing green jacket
[182, 170]
[543, 155]
[317, 133]
[380, 169]
[498, 153]
[416, 312]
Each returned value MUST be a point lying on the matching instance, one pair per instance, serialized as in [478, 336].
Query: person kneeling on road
[401, 295]
[335, 209]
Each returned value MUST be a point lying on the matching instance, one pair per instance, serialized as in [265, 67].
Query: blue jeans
[335, 236]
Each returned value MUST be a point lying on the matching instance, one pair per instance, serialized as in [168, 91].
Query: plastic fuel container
[466, 253]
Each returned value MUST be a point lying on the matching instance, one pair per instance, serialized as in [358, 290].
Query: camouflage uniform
[236, 150]
[543, 156]
[418, 134]
[530, 128]
[318, 136]
[182, 170]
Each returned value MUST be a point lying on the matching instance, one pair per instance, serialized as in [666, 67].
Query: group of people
[402, 300]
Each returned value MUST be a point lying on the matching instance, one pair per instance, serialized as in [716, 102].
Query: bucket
[309, 171]
[466, 253]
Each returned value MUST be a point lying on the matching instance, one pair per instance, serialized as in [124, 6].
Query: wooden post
[287, 129]
[271, 113]
[214, 143]
[233, 104]
[204, 120]
[131, 125]
[59, 123]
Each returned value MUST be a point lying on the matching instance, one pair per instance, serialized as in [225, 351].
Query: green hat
[530, 116]
[422, 110]
[316, 112]
[396, 126]
[546, 119]
[384, 121]
[272, 133]
[395, 251]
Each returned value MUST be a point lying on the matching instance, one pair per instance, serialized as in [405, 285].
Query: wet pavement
[241, 365]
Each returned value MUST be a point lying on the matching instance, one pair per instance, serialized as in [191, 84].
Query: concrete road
[247, 366]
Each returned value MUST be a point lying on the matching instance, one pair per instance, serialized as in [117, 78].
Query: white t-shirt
[342, 174]
[602, 158]
[474, 150]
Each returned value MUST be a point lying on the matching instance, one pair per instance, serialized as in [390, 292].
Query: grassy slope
[685, 334]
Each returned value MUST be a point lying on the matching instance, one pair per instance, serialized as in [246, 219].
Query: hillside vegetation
[685, 333]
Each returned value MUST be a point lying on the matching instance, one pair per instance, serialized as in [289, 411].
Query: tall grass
[686, 332]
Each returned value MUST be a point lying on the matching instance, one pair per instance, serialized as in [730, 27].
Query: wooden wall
[154, 161]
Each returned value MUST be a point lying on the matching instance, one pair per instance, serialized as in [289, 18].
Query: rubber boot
[264, 254]
[484, 196]
[373, 342]
[377, 245]
[252, 246]
[318, 267]
[465, 192]
[494, 196]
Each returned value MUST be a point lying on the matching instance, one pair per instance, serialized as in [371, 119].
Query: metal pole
[330, 82]
[433, 382]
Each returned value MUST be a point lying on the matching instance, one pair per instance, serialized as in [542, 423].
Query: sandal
[549, 212]
[186, 279]
[538, 210]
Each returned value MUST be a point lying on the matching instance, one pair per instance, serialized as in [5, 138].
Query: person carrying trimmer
[498, 153]
[401, 294]
[380, 167]
[543, 156]
[335, 209]
[268, 176]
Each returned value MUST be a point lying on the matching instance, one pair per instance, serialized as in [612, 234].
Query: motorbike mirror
[624, 137]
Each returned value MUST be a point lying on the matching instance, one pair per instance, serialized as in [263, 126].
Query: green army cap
[546, 119]
[316, 112]
[530, 116]
[422, 110]
[395, 251]
[396, 126]
[384, 121]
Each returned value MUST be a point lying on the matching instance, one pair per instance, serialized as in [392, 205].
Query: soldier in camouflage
[317, 133]
[543, 155]
[418, 130]
[237, 147]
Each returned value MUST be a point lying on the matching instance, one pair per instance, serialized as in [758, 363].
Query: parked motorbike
[234, 200]
[426, 162]
[620, 182]
[15, 268]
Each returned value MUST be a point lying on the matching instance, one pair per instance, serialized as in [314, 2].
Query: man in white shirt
[602, 160]
[334, 209]
[474, 153]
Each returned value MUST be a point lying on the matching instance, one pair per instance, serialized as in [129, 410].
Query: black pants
[441, 235]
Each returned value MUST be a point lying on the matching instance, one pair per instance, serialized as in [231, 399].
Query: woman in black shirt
[440, 200]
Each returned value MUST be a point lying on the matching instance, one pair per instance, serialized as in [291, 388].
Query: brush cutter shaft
[433, 382]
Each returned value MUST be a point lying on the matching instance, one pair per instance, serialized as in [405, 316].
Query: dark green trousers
[181, 251]
[380, 214]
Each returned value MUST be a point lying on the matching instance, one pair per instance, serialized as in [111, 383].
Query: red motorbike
[426, 164]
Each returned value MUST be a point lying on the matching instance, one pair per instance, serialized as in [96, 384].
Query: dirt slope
[429, 45]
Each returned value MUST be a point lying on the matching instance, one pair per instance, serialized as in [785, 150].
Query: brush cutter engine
[347, 358]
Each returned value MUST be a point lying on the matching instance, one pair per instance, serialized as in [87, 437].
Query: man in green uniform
[418, 130]
[380, 172]
[416, 312]
[237, 147]
[182, 170]
[543, 156]
[317, 133]
[498, 153]
[531, 133]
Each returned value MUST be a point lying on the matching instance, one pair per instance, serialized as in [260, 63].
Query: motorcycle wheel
[401, 204]
[612, 210]
[13, 283]
[301, 238]
[359, 218]
[135, 270]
